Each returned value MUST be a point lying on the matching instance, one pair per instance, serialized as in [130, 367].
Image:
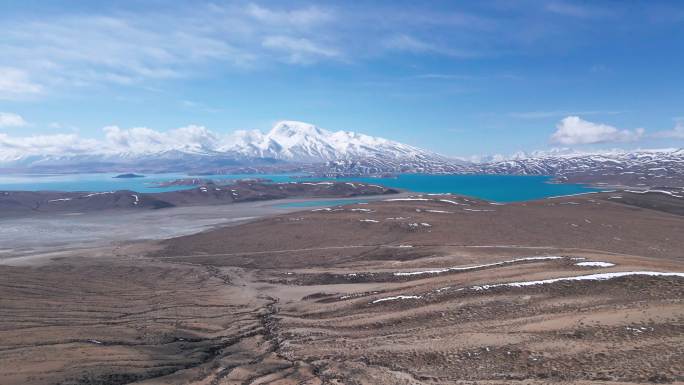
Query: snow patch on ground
[416, 225]
[595, 264]
[396, 298]
[638, 329]
[97, 193]
[450, 202]
[465, 268]
[572, 195]
[406, 199]
[590, 277]
[327, 209]
[670, 193]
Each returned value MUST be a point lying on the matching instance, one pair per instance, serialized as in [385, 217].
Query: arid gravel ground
[424, 290]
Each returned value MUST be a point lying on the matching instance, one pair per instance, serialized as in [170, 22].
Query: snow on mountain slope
[641, 167]
[288, 141]
[303, 142]
[309, 148]
[555, 164]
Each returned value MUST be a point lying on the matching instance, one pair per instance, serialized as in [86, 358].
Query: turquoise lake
[500, 188]
[106, 182]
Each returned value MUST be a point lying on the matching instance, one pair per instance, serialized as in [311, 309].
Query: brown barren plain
[424, 290]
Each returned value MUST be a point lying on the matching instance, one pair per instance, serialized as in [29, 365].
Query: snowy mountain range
[555, 164]
[634, 168]
[298, 146]
[306, 143]
[287, 141]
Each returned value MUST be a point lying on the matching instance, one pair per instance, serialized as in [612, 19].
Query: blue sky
[460, 78]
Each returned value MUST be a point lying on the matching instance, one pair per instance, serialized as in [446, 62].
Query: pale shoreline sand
[49, 233]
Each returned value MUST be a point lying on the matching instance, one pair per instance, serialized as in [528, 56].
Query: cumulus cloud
[675, 133]
[13, 148]
[573, 130]
[117, 141]
[9, 119]
[142, 140]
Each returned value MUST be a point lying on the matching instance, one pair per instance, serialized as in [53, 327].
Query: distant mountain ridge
[297, 146]
[555, 163]
[287, 141]
[303, 142]
[635, 168]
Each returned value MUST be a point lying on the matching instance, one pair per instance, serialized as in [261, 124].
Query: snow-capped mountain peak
[287, 141]
[304, 142]
[293, 129]
[301, 141]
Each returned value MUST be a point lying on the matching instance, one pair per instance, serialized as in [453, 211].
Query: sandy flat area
[28, 238]
[405, 290]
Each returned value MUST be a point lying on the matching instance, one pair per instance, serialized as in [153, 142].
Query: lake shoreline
[500, 188]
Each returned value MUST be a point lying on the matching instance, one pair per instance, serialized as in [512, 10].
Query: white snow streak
[397, 297]
[508, 262]
[595, 264]
[406, 199]
[590, 277]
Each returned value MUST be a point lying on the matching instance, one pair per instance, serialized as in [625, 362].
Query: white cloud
[127, 46]
[573, 130]
[675, 133]
[298, 50]
[137, 140]
[412, 44]
[15, 84]
[191, 104]
[551, 114]
[9, 119]
[12, 148]
[408, 43]
[573, 10]
[85, 49]
[142, 140]
[298, 18]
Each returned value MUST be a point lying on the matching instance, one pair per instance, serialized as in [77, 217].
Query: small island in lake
[129, 175]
